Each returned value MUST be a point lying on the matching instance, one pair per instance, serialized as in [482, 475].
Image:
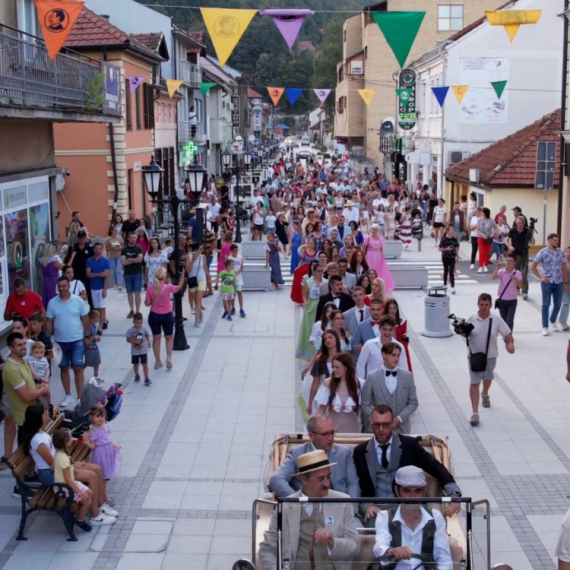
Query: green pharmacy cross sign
[188, 153]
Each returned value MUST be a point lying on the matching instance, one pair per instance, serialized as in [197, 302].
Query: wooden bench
[58, 498]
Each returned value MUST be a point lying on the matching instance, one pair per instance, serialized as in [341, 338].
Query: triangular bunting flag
[499, 87]
[512, 20]
[400, 30]
[293, 94]
[56, 18]
[172, 85]
[205, 87]
[322, 94]
[275, 94]
[134, 82]
[288, 22]
[226, 27]
[367, 95]
[404, 96]
[440, 94]
[460, 91]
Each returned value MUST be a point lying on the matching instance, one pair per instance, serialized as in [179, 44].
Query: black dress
[281, 232]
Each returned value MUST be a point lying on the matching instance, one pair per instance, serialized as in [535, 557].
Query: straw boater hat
[312, 461]
[349, 203]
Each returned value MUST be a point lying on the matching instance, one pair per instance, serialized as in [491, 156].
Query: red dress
[401, 332]
[297, 288]
[367, 301]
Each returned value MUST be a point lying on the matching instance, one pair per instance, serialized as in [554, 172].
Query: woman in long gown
[296, 241]
[272, 249]
[50, 265]
[339, 396]
[308, 254]
[401, 331]
[373, 245]
[322, 368]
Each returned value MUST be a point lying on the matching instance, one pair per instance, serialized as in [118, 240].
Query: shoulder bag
[478, 360]
[498, 301]
[193, 281]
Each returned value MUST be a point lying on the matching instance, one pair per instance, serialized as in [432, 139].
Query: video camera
[461, 326]
[531, 223]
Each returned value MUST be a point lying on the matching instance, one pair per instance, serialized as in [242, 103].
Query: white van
[305, 140]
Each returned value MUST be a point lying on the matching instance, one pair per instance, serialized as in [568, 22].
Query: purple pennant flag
[288, 21]
[322, 94]
[134, 82]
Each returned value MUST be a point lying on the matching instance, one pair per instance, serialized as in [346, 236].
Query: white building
[476, 56]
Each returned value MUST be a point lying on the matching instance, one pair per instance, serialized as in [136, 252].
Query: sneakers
[553, 327]
[110, 500]
[120, 288]
[158, 365]
[99, 380]
[107, 510]
[486, 399]
[453, 290]
[137, 377]
[229, 318]
[105, 325]
[472, 266]
[224, 315]
[480, 270]
[102, 520]
[242, 313]
[84, 525]
[130, 315]
[545, 331]
[66, 402]
[474, 421]
[168, 364]
[561, 328]
[147, 382]
[525, 296]
[3, 463]
[485, 269]
[193, 311]
[197, 324]
[233, 312]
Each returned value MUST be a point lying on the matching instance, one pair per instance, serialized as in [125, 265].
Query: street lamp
[226, 158]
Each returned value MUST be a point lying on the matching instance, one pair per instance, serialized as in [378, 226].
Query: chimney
[106, 16]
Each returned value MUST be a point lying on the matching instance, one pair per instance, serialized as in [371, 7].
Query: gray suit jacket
[349, 280]
[352, 319]
[339, 519]
[364, 332]
[375, 392]
[343, 474]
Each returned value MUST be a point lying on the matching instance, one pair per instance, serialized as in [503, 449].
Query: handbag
[193, 281]
[478, 360]
[488, 240]
[498, 301]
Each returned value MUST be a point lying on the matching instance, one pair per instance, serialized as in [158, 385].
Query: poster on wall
[481, 106]
[39, 236]
[17, 246]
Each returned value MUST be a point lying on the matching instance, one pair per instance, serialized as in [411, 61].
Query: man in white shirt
[350, 213]
[255, 199]
[371, 354]
[412, 528]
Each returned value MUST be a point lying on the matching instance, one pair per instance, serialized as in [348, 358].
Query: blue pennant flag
[293, 94]
[440, 94]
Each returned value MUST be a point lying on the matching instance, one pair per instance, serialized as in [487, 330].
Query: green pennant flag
[499, 87]
[400, 30]
[404, 95]
[205, 87]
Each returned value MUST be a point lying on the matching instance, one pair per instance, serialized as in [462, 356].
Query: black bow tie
[392, 372]
[337, 297]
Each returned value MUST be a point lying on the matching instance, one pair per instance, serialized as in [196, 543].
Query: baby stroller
[417, 224]
[78, 421]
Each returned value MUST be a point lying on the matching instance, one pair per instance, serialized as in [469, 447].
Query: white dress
[342, 412]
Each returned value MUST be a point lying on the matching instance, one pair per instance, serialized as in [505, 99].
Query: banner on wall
[275, 94]
[288, 22]
[57, 18]
[322, 94]
[226, 27]
[512, 20]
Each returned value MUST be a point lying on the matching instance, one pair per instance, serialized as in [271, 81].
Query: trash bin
[437, 324]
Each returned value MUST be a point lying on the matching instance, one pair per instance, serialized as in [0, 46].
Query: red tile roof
[512, 161]
[253, 94]
[198, 36]
[91, 30]
[151, 41]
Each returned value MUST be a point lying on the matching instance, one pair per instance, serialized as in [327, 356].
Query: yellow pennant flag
[172, 85]
[367, 95]
[226, 27]
[512, 20]
[460, 91]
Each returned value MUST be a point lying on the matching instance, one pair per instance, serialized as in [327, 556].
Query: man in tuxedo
[358, 314]
[334, 237]
[390, 385]
[371, 354]
[342, 300]
[378, 459]
[343, 474]
[332, 269]
[315, 535]
[369, 329]
[342, 228]
[347, 278]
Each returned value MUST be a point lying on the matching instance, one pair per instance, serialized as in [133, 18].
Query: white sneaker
[108, 511]
[480, 270]
[545, 331]
[472, 266]
[453, 290]
[553, 327]
[102, 520]
[525, 296]
[66, 402]
[485, 269]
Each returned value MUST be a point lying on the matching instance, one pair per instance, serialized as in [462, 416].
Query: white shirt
[37, 440]
[413, 539]
[391, 380]
[378, 449]
[351, 215]
[478, 337]
[371, 358]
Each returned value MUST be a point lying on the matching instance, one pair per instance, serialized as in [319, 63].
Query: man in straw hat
[316, 536]
[412, 528]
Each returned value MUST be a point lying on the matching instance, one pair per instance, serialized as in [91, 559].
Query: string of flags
[440, 93]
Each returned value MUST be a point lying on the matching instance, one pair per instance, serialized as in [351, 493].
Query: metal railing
[187, 131]
[188, 72]
[29, 77]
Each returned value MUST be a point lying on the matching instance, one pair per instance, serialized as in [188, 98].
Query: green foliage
[94, 99]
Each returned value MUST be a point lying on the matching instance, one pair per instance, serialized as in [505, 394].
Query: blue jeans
[133, 283]
[72, 353]
[499, 249]
[551, 291]
[565, 308]
[117, 269]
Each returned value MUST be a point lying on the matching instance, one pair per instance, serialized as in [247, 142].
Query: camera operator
[553, 281]
[520, 238]
[487, 327]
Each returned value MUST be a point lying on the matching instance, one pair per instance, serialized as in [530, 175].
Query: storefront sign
[407, 110]
[235, 111]
[14, 197]
[111, 88]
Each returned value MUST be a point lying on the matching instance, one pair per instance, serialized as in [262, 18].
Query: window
[365, 52]
[339, 106]
[449, 18]
[138, 109]
[27, 19]
[545, 165]
[148, 106]
[128, 119]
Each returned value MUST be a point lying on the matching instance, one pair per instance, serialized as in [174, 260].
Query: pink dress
[225, 252]
[376, 260]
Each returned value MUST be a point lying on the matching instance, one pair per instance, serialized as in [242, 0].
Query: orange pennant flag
[275, 94]
[56, 18]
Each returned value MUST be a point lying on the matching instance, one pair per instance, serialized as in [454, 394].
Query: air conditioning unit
[356, 67]
[456, 156]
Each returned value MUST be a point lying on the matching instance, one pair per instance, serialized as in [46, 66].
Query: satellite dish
[387, 128]
[243, 564]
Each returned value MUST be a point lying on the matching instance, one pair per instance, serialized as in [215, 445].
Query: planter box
[409, 276]
[253, 249]
[392, 249]
[256, 278]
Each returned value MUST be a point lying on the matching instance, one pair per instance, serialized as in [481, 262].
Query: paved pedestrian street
[195, 443]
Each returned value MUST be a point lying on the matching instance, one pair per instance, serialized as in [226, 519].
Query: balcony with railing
[69, 88]
[190, 73]
[188, 131]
